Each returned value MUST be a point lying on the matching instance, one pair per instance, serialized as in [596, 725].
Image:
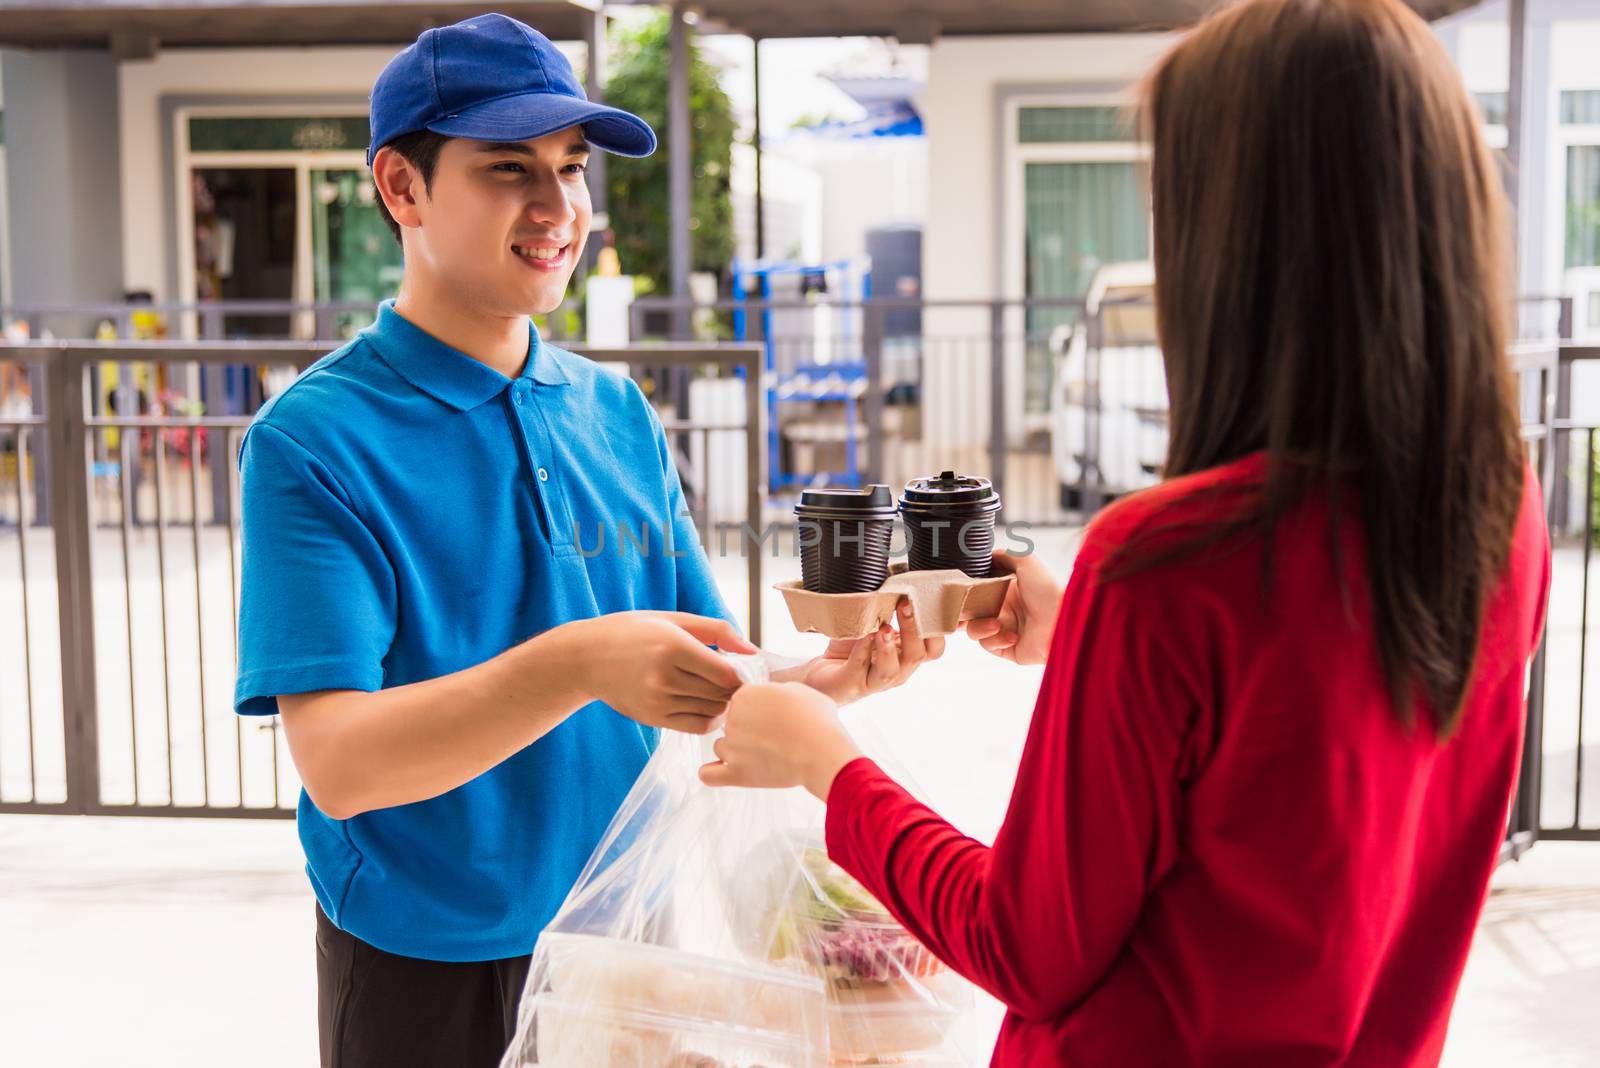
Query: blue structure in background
[884, 118]
[843, 380]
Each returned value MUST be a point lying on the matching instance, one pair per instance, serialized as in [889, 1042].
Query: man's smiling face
[504, 224]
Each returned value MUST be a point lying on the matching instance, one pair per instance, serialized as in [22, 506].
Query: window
[1080, 217]
[1076, 202]
[1578, 137]
[280, 206]
[354, 257]
[1057, 125]
[1580, 107]
[1583, 206]
[270, 133]
[1494, 107]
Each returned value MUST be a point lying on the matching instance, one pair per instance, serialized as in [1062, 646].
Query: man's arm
[358, 751]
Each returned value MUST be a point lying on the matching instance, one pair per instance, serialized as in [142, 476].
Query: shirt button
[516, 398]
[544, 476]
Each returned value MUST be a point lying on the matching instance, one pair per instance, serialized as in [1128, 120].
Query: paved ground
[1533, 983]
[187, 944]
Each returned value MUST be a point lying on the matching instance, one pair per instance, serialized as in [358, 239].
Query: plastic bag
[710, 930]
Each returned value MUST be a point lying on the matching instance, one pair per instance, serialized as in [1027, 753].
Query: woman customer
[1272, 756]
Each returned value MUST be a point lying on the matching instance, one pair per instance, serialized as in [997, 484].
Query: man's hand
[851, 668]
[1022, 631]
[655, 667]
[780, 735]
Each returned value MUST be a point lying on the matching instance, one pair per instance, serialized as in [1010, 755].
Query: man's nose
[549, 204]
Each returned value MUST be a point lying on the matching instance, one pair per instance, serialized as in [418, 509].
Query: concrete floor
[188, 944]
[1532, 985]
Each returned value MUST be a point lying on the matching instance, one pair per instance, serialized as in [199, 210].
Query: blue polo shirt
[410, 512]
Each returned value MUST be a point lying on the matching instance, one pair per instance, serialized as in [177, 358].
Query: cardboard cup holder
[941, 600]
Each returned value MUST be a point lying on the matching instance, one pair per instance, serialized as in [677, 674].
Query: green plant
[638, 188]
[1594, 496]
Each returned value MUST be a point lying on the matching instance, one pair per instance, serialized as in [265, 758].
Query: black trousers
[380, 1010]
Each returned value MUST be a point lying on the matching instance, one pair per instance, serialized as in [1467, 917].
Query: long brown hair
[1332, 287]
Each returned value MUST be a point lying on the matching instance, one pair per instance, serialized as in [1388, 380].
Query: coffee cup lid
[950, 488]
[863, 502]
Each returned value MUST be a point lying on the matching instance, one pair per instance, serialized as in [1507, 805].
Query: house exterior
[201, 167]
[220, 155]
[1033, 181]
[1559, 238]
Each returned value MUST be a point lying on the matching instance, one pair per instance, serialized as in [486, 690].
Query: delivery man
[468, 697]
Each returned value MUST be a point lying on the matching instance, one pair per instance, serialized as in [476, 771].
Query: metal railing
[225, 320]
[1049, 398]
[118, 643]
[1537, 369]
[967, 387]
[1560, 746]
[1099, 434]
[890, 388]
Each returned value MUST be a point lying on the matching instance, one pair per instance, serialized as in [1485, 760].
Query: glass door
[280, 207]
[354, 256]
[244, 242]
[1078, 218]
[1580, 136]
[1077, 183]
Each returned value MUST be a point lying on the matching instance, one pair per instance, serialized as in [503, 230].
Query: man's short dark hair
[421, 150]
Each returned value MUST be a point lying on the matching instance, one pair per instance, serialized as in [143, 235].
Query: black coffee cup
[844, 538]
[950, 523]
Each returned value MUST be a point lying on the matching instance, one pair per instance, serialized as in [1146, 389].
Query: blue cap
[492, 78]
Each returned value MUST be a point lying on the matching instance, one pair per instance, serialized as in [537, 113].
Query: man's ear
[400, 186]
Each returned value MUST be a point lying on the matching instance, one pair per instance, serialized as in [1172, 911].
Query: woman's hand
[1022, 631]
[781, 734]
[852, 668]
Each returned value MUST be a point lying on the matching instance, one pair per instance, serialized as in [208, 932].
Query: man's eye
[576, 168]
[508, 167]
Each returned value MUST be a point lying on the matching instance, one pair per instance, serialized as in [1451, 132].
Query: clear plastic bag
[709, 930]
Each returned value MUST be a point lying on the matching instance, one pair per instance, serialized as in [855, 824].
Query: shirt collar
[449, 374]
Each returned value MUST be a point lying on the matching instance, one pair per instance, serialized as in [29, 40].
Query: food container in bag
[669, 983]
[589, 1036]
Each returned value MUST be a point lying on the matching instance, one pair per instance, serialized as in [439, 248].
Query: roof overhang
[133, 28]
[923, 21]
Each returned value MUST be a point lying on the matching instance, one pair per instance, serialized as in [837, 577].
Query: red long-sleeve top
[1222, 847]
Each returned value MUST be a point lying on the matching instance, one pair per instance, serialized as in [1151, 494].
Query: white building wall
[303, 76]
[822, 196]
[866, 183]
[963, 237]
[1563, 55]
[965, 78]
[148, 208]
[5, 225]
[61, 157]
[791, 195]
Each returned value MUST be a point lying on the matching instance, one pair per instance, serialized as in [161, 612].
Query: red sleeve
[1040, 917]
